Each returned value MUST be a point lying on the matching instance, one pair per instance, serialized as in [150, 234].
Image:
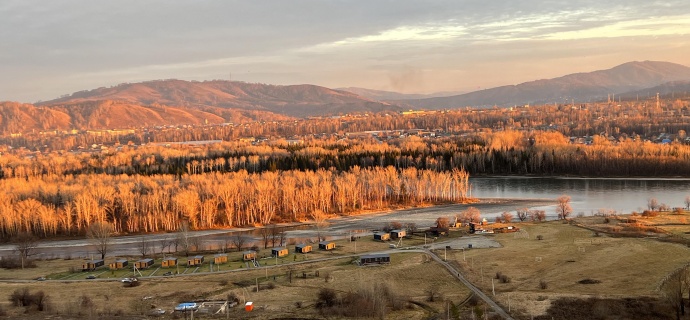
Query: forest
[268, 173]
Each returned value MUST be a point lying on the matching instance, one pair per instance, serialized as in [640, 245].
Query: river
[589, 195]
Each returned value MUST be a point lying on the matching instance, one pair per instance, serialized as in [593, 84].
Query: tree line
[53, 204]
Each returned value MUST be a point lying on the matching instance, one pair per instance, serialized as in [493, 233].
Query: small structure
[397, 234]
[249, 306]
[303, 248]
[169, 262]
[436, 231]
[118, 264]
[220, 258]
[249, 255]
[92, 265]
[378, 258]
[326, 245]
[279, 252]
[382, 236]
[195, 261]
[144, 263]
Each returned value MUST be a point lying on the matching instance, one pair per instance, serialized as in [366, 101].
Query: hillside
[381, 95]
[581, 87]
[294, 101]
[673, 89]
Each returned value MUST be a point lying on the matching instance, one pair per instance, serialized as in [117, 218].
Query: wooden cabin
[279, 252]
[326, 245]
[379, 258]
[249, 255]
[303, 248]
[195, 261]
[220, 258]
[169, 262]
[118, 264]
[144, 263]
[92, 265]
[397, 234]
[382, 236]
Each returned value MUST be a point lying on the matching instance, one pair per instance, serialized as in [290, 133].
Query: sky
[52, 48]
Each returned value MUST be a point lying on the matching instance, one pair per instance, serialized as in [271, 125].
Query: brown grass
[409, 274]
[626, 267]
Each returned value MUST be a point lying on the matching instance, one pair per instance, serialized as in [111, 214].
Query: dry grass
[626, 267]
[409, 275]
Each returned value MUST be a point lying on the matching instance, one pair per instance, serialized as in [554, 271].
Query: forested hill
[581, 87]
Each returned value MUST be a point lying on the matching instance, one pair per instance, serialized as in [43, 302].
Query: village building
[279, 252]
[92, 265]
[144, 263]
[379, 258]
[169, 262]
[195, 261]
[118, 264]
[249, 255]
[326, 245]
[220, 258]
[382, 236]
[303, 248]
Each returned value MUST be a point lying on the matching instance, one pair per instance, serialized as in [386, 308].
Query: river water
[588, 194]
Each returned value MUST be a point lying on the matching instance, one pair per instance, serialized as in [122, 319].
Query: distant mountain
[294, 101]
[579, 87]
[380, 95]
[668, 90]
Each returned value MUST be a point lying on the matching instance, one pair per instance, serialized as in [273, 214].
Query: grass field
[409, 275]
[625, 267]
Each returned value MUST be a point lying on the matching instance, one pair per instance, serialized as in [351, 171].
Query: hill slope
[579, 86]
[294, 101]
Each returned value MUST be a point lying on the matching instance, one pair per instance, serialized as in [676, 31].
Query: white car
[128, 280]
[187, 306]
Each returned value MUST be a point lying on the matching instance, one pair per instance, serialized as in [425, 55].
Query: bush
[23, 298]
[589, 281]
[326, 298]
[540, 237]
[543, 284]
[16, 263]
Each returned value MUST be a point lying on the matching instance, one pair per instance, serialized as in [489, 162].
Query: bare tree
[653, 204]
[563, 207]
[522, 213]
[144, 246]
[442, 222]
[687, 202]
[507, 217]
[472, 214]
[184, 238]
[265, 236]
[25, 243]
[238, 241]
[100, 234]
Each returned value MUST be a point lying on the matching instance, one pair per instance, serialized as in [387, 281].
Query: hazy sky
[50, 48]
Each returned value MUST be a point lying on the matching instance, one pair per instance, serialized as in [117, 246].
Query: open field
[626, 267]
[409, 275]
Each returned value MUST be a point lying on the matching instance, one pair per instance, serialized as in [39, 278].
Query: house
[169, 262]
[326, 245]
[279, 252]
[118, 264]
[249, 255]
[397, 234]
[195, 261]
[220, 258]
[437, 231]
[92, 265]
[382, 236]
[378, 258]
[303, 248]
[143, 263]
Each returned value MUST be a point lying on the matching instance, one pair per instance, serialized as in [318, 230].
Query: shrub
[504, 279]
[589, 281]
[540, 237]
[543, 284]
[326, 298]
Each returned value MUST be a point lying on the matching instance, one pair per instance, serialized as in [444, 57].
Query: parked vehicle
[91, 276]
[187, 306]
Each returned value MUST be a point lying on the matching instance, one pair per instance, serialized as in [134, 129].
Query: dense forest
[268, 173]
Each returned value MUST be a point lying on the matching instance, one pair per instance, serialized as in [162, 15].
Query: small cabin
[195, 261]
[397, 234]
[382, 236]
[380, 258]
[279, 252]
[303, 248]
[92, 265]
[220, 258]
[249, 255]
[144, 263]
[326, 245]
[169, 262]
[118, 264]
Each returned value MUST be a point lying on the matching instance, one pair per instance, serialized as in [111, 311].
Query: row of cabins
[198, 260]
